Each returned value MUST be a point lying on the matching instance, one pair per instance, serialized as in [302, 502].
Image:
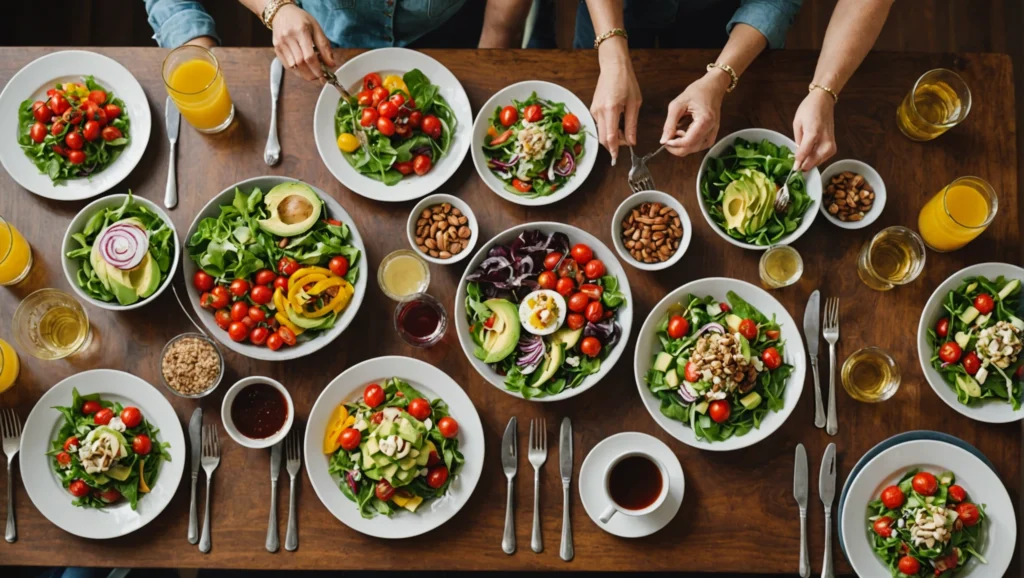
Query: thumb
[676, 110]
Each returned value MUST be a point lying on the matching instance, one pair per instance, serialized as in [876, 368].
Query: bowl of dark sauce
[257, 412]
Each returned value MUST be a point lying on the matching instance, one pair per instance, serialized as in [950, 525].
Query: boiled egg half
[542, 312]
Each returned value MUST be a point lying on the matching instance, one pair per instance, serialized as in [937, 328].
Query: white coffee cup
[613, 506]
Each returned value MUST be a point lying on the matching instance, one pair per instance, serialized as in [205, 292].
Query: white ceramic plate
[983, 485]
[990, 410]
[334, 211]
[811, 177]
[45, 489]
[386, 61]
[32, 82]
[871, 176]
[648, 345]
[624, 315]
[433, 383]
[548, 91]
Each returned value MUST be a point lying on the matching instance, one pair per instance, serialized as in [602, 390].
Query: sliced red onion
[686, 395]
[570, 164]
[351, 481]
[714, 327]
[532, 349]
[945, 364]
[495, 163]
[123, 245]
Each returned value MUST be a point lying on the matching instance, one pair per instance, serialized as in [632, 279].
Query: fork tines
[540, 440]
[293, 445]
[10, 425]
[211, 445]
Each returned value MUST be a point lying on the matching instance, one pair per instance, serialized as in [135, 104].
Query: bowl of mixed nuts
[853, 194]
[651, 230]
[442, 229]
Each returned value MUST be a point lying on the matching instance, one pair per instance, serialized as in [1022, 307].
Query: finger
[283, 55]
[324, 46]
[805, 150]
[632, 114]
[295, 60]
[676, 109]
[696, 133]
[309, 57]
[822, 153]
[610, 129]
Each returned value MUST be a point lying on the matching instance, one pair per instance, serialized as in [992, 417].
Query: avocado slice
[389, 472]
[733, 322]
[1010, 287]
[146, 277]
[734, 204]
[570, 337]
[556, 354]
[969, 385]
[303, 322]
[407, 431]
[119, 472]
[293, 208]
[751, 400]
[498, 345]
[99, 265]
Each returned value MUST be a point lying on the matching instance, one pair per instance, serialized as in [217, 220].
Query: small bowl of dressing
[403, 274]
[257, 412]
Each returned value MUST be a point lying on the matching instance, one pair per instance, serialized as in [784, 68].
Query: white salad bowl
[303, 348]
[32, 82]
[72, 266]
[811, 177]
[433, 383]
[996, 541]
[548, 91]
[635, 200]
[871, 176]
[990, 410]
[229, 422]
[624, 316]
[386, 61]
[648, 344]
[455, 202]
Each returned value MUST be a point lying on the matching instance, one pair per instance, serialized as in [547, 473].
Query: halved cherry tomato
[594, 312]
[909, 565]
[971, 363]
[950, 352]
[720, 410]
[594, 269]
[131, 417]
[592, 291]
[41, 112]
[571, 123]
[373, 395]
[369, 117]
[984, 303]
[533, 113]
[38, 132]
[892, 497]
[565, 286]
[771, 358]
[72, 116]
[942, 327]
[581, 253]
[142, 444]
[772, 334]
[404, 167]
[883, 526]
[437, 476]
[261, 294]
[110, 133]
[925, 484]
[590, 346]
[421, 164]
[968, 513]
[575, 321]
[385, 126]
[578, 301]
[547, 280]
[103, 416]
[264, 277]
[287, 266]
[64, 459]
[71, 444]
[431, 125]
[690, 372]
[384, 490]
[402, 128]
[678, 326]
[521, 186]
[287, 335]
[223, 318]
[748, 329]
[372, 81]
[419, 408]
[501, 138]
[552, 260]
[57, 127]
[237, 331]
[448, 427]
[338, 265]
[957, 493]
[509, 115]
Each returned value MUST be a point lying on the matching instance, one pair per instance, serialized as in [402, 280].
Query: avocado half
[293, 208]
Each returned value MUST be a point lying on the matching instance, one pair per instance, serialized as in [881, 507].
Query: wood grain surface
[738, 513]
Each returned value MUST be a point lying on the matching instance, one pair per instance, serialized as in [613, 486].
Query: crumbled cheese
[116, 424]
[573, 361]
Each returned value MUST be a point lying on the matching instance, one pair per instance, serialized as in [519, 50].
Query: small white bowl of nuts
[443, 229]
[651, 230]
[853, 194]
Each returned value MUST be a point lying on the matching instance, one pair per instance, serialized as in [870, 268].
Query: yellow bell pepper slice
[393, 82]
[306, 271]
[325, 284]
[343, 298]
[279, 300]
[335, 426]
[282, 318]
[143, 488]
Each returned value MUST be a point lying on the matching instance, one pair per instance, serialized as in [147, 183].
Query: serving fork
[640, 178]
[831, 334]
[210, 461]
[332, 79]
[10, 428]
[294, 450]
[538, 455]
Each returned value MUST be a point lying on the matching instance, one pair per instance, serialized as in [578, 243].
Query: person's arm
[617, 93]
[852, 31]
[177, 22]
[504, 22]
[296, 32]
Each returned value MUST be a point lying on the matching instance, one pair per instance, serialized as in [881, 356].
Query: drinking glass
[193, 78]
[402, 274]
[780, 266]
[957, 214]
[51, 324]
[421, 320]
[938, 101]
[15, 254]
[871, 375]
[10, 365]
[893, 257]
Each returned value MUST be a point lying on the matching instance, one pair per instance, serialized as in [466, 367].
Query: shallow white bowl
[989, 411]
[634, 201]
[386, 61]
[459, 204]
[871, 176]
[812, 178]
[71, 266]
[229, 424]
[647, 344]
[548, 91]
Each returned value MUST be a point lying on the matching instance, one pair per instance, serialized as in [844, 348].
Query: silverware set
[827, 494]
[291, 446]
[10, 429]
[812, 327]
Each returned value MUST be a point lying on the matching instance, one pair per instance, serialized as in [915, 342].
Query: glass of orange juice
[957, 214]
[194, 81]
[9, 366]
[15, 254]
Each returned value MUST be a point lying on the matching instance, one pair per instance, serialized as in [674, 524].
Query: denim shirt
[175, 22]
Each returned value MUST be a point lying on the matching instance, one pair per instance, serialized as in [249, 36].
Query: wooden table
[738, 513]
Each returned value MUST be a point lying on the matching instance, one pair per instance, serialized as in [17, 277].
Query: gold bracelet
[728, 69]
[609, 34]
[270, 10]
[832, 93]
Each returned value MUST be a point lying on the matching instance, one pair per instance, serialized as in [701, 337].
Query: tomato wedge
[501, 138]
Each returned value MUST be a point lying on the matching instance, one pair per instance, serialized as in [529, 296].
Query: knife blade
[812, 329]
[273, 541]
[272, 152]
[800, 491]
[509, 463]
[172, 121]
[827, 492]
[195, 441]
[565, 469]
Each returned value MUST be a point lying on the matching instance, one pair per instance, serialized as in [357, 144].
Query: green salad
[393, 448]
[534, 146]
[720, 370]
[976, 344]
[105, 452]
[124, 253]
[740, 191]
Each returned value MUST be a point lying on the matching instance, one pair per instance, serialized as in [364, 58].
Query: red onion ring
[123, 245]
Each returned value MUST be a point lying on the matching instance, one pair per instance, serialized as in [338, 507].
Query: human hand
[204, 41]
[702, 102]
[814, 130]
[295, 35]
[617, 94]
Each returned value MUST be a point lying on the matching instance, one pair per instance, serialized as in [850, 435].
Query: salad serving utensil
[537, 455]
[195, 442]
[812, 327]
[172, 120]
[332, 79]
[210, 461]
[640, 178]
[272, 154]
[782, 199]
[10, 429]
[509, 463]
[293, 448]
[565, 470]
[273, 542]
[831, 334]
[800, 491]
[827, 493]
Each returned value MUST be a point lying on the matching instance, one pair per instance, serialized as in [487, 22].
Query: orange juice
[9, 366]
[957, 214]
[15, 254]
[194, 80]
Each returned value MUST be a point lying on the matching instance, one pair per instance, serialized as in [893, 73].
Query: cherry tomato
[350, 438]
[950, 352]
[78, 488]
[110, 133]
[369, 117]
[892, 497]
[385, 126]
[957, 493]
[581, 253]
[509, 115]
[678, 326]
[571, 123]
[551, 261]
[74, 140]
[377, 417]
[909, 565]
[281, 283]
[96, 114]
[984, 303]
[565, 286]
[500, 139]
[942, 327]
[521, 186]
[98, 96]
[219, 297]
[968, 513]
[202, 281]
[419, 408]
[883, 526]
[57, 127]
[142, 444]
[433, 459]
[397, 99]
[568, 268]
[287, 335]
[437, 476]
[372, 81]
[238, 332]
[112, 111]
[590, 346]
[274, 341]
[76, 157]
[387, 109]
[264, 277]
[71, 444]
[373, 395]
[402, 129]
[448, 427]
[131, 417]
[575, 321]
[724, 307]
[578, 302]
[404, 167]
[239, 288]
[772, 334]
[431, 126]
[365, 98]
[748, 329]
[421, 164]
[258, 335]
[41, 112]
[59, 104]
[64, 459]
[90, 407]
[925, 484]
[415, 119]
[239, 310]
[384, 490]
[690, 372]
[719, 410]
[771, 358]
[261, 294]
[287, 266]
[103, 416]
[533, 113]
[592, 291]
[110, 495]
[380, 94]
[594, 269]
[547, 280]
[338, 265]
[223, 318]
[37, 132]
[971, 363]
[594, 312]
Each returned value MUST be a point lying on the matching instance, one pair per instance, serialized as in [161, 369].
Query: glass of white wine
[893, 257]
[871, 375]
[780, 266]
[51, 324]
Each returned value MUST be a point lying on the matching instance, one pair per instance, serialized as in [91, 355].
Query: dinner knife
[565, 469]
[272, 154]
[172, 119]
[812, 327]
[827, 492]
[273, 543]
[800, 490]
[195, 441]
[509, 463]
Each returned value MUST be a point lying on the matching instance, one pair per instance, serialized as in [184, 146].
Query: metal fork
[640, 178]
[210, 461]
[293, 450]
[10, 428]
[831, 334]
[538, 455]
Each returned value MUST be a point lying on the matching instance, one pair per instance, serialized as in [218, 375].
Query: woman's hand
[814, 130]
[702, 102]
[295, 35]
[617, 94]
